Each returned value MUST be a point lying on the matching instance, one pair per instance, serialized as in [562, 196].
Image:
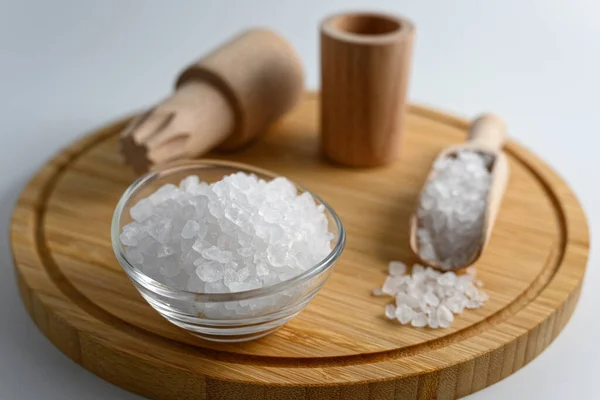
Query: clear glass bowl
[216, 316]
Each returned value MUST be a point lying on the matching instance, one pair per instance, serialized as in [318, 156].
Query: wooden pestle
[224, 100]
[365, 64]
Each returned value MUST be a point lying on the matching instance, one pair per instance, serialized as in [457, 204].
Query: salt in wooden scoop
[487, 135]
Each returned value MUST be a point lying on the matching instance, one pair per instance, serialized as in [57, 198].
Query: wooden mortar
[365, 64]
[225, 100]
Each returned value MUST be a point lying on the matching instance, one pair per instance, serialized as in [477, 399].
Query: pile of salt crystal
[237, 234]
[427, 297]
[451, 209]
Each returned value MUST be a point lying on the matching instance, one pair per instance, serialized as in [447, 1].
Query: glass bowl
[223, 317]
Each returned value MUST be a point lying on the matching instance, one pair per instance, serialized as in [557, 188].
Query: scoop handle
[488, 132]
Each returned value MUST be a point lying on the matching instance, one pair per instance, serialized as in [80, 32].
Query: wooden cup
[365, 64]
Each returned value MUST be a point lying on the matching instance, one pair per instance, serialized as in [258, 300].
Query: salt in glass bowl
[213, 316]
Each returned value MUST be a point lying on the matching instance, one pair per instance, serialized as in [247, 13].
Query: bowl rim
[141, 278]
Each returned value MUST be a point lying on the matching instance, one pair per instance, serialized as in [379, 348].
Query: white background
[67, 67]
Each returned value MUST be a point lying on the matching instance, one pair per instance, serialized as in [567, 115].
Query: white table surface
[67, 67]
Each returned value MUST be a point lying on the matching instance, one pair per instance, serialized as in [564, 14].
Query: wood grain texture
[365, 66]
[340, 346]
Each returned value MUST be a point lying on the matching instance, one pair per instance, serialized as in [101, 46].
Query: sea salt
[404, 314]
[430, 298]
[190, 229]
[397, 268]
[237, 234]
[390, 311]
[419, 320]
[451, 209]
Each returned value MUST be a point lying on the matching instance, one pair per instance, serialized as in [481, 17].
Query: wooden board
[340, 346]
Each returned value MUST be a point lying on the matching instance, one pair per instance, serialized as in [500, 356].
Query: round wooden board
[341, 346]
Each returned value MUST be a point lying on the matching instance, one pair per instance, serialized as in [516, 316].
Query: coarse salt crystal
[406, 299]
[134, 255]
[240, 233]
[142, 210]
[433, 321]
[418, 270]
[451, 209]
[397, 268]
[444, 316]
[430, 298]
[190, 229]
[419, 320]
[129, 238]
[390, 311]
[404, 314]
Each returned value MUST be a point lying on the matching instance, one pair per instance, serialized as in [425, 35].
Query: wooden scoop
[487, 135]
